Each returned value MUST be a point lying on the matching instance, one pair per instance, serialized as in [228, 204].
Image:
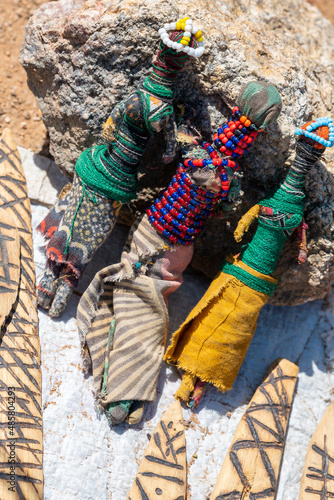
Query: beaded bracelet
[319, 122]
[185, 25]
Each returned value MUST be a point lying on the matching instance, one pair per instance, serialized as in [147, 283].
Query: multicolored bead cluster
[185, 25]
[179, 213]
[320, 122]
[235, 136]
[215, 162]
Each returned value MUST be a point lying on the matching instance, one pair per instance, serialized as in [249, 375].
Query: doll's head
[319, 133]
[185, 38]
[260, 102]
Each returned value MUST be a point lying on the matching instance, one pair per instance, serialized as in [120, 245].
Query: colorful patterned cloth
[75, 228]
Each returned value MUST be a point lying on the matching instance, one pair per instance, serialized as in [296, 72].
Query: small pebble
[23, 125]
[7, 119]
[36, 118]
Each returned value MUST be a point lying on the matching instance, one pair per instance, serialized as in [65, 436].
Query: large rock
[84, 57]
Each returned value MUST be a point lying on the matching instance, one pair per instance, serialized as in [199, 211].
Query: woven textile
[133, 292]
[213, 340]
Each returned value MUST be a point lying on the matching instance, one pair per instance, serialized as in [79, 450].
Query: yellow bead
[184, 42]
[186, 38]
[178, 27]
[200, 39]
[198, 34]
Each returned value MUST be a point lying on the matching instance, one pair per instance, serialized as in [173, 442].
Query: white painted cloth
[84, 459]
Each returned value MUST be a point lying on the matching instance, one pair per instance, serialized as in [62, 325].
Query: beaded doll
[126, 357]
[106, 175]
[212, 342]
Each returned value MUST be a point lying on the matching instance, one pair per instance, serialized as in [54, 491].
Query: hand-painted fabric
[212, 342]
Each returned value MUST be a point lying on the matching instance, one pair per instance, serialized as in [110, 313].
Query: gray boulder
[82, 58]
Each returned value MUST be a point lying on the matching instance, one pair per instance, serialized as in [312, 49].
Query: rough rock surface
[83, 57]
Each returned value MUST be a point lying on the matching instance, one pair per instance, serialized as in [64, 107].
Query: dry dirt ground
[18, 107]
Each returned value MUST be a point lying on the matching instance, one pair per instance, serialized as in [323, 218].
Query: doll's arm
[245, 222]
[171, 139]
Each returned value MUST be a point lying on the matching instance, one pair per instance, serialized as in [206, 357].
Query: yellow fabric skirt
[213, 340]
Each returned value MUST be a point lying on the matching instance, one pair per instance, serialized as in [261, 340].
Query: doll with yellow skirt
[211, 344]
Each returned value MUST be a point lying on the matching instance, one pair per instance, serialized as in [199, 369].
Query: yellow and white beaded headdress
[185, 25]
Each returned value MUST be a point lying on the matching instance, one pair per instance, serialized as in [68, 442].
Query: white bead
[167, 27]
[191, 52]
[186, 48]
[169, 43]
[200, 44]
[161, 31]
[194, 30]
[179, 47]
[165, 39]
[172, 26]
[189, 21]
[199, 52]
[174, 46]
[187, 33]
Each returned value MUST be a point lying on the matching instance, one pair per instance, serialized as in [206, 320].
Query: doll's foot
[118, 411]
[46, 289]
[63, 293]
[198, 393]
[191, 390]
[187, 387]
[136, 413]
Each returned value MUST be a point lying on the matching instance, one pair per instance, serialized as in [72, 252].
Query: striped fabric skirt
[134, 292]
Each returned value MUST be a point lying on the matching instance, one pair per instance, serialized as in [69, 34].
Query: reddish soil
[18, 107]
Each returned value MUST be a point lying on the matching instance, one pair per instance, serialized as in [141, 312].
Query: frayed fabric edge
[201, 376]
